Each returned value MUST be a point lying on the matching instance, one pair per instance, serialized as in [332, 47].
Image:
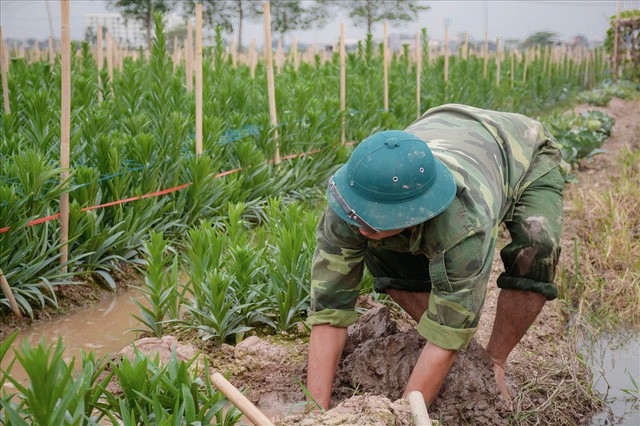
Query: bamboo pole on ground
[188, 43]
[65, 131]
[100, 63]
[234, 396]
[418, 73]
[343, 82]
[198, 78]
[385, 69]
[5, 66]
[419, 409]
[6, 289]
[270, 79]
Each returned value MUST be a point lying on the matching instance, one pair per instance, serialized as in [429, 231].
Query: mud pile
[378, 359]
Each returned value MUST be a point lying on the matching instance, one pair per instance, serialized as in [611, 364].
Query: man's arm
[325, 348]
[430, 371]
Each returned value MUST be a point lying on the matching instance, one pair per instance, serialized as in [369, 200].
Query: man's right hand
[325, 348]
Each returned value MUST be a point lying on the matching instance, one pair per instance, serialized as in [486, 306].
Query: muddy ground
[542, 373]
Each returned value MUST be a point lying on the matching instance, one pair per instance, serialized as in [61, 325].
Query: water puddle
[615, 363]
[102, 329]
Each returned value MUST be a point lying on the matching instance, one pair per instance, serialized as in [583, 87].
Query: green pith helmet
[391, 181]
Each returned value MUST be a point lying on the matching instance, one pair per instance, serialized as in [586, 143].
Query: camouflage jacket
[493, 156]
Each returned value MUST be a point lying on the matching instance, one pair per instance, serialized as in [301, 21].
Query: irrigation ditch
[570, 368]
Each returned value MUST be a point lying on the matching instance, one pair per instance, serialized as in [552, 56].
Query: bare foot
[498, 371]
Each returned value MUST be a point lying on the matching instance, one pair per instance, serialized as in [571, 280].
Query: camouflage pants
[530, 259]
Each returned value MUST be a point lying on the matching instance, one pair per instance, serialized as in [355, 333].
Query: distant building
[123, 31]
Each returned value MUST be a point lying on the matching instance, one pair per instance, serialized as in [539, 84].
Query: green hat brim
[394, 214]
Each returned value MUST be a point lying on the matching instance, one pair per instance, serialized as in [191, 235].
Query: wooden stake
[419, 409]
[52, 55]
[36, 50]
[65, 131]
[110, 59]
[175, 53]
[465, 50]
[385, 69]
[486, 54]
[296, 59]
[198, 78]
[279, 56]
[234, 396]
[446, 54]
[418, 73]
[498, 62]
[271, 89]
[234, 54]
[6, 289]
[100, 63]
[343, 80]
[253, 58]
[526, 62]
[189, 55]
[513, 68]
[5, 65]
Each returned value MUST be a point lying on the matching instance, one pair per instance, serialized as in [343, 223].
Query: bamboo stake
[498, 62]
[418, 73]
[36, 50]
[100, 62]
[614, 58]
[175, 54]
[198, 78]
[279, 56]
[513, 68]
[270, 79]
[234, 396]
[296, 59]
[5, 66]
[526, 62]
[6, 289]
[465, 50]
[419, 409]
[65, 131]
[446, 54]
[253, 58]
[486, 54]
[343, 81]
[385, 70]
[52, 56]
[586, 73]
[189, 55]
[110, 59]
[234, 54]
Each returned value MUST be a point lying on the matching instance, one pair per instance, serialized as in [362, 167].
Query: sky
[506, 19]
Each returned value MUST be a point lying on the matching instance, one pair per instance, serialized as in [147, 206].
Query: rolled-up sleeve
[336, 272]
[459, 279]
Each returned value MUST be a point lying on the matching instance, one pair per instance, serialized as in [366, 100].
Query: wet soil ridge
[378, 359]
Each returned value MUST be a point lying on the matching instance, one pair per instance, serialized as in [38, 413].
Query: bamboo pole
[279, 56]
[65, 131]
[270, 79]
[198, 78]
[614, 58]
[36, 50]
[486, 55]
[513, 68]
[526, 63]
[175, 54]
[234, 54]
[296, 59]
[465, 50]
[385, 69]
[343, 82]
[110, 59]
[418, 73]
[419, 409]
[234, 396]
[100, 60]
[253, 58]
[189, 55]
[5, 66]
[446, 54]
[52, 55]
[6, 289]
[585, 82]
[498, 62]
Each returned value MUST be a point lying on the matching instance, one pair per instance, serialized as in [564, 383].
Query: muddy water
[615, 361]
[102, 329]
